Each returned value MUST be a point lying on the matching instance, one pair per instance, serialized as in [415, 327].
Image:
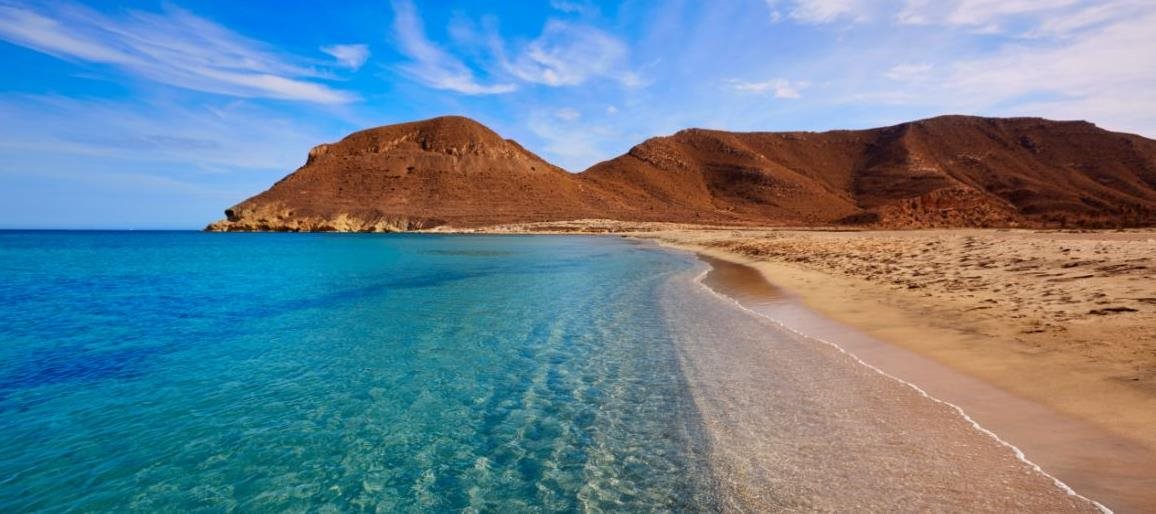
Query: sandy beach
[1066, 319]
[792, 425]
[1062, 320]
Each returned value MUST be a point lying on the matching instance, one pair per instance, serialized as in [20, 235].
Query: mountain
[412, 176]
[949, 171]
[946, 171]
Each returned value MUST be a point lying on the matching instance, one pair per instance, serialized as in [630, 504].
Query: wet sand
[792, 424]
[1116, 471]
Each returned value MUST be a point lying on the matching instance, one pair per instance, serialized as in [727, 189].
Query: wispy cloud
[572, 144]
[989, 16]
[211, 137]
[1063, 66]
[978, 16]
[567, 114]
[989, 12]
[1086, 17]
[1024, 18]
[1097, 75]
[142, 161]
[819, 11]
[348, 56]
[173, 47]
[432, 65]
[564, 54]
[909, 72]
[584, 7]
[780, 88]
[568, 54]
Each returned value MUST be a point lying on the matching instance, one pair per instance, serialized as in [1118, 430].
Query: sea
[273, 372]
[188, 371]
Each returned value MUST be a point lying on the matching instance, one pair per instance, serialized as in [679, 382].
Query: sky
[160, 114]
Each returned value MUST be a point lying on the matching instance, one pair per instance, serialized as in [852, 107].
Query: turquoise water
[181, 371]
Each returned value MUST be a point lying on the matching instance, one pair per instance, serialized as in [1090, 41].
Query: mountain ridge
[946, 171]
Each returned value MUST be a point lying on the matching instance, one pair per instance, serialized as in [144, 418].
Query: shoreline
[721, 292]
[787, 419]
[1051, 333]
[966, 345]
[1067, 456]
[1064, 318]
[1113, 470]
[1080, 387]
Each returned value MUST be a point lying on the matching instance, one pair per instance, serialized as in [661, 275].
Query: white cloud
[978, 16]
[820, 11]
[567, 54]
[1094, 73]
[776, 14]
[989, 12]
[909, 72]
[175, 48]
[349, 56]
[571, 145]
[995, 16]
[1075, 20]
[212, 137]
[826, 11]
[1089, 65]
[432, 65]
[567, 114]
[781, 88]
[585, 8]
[913, 13]
[105, 162]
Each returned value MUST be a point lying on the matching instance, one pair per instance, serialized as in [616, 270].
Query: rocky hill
[412, 176]
[949, 171]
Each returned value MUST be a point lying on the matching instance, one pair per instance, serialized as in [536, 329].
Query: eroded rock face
[948, 207]
[279, 218]
[316, 152]
[951, 171]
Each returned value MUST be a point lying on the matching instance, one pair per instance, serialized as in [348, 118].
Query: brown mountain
[945, 171]
[411, 176]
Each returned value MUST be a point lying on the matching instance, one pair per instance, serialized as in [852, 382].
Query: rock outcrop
[950, 171]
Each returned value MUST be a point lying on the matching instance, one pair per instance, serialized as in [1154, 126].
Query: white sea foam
[699, 279]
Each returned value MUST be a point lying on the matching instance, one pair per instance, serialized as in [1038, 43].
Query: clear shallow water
[189, 371]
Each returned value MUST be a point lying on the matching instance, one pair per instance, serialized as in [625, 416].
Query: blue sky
[160, 114]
